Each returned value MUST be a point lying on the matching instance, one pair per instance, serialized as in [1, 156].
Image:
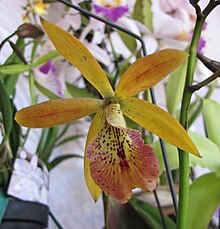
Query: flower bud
[28, 30]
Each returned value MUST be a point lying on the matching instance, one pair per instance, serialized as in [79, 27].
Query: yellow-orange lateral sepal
[94, 128]
[57, 111]
[159, 122]
[120, 162]
[148, 71]
[77, 54]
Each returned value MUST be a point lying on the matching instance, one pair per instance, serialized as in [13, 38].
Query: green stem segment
[105, 206]
[187, 94]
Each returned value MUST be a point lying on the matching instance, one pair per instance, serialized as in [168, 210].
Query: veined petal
[148, 71]
[159, 122]
[78, 55]
[57, 111]
[120, 161]
[94, 189]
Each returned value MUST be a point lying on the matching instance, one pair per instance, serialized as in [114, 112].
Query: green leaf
[174, 89]
[151, 214]
[6, 110]
[46, 57]
[47, 143]
[3, 204]
[71, 138]
[211, 111]
[10, 83]
[142, 12]
[204, 198]
[15, 135]
[129, 41]
[77, 92]
[60, 159]
[45, 91]
[11, 79]
[14, 68]
[208, 150]
[124, 216]
[13, 58]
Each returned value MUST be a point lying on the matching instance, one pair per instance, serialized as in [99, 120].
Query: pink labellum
[120, 162]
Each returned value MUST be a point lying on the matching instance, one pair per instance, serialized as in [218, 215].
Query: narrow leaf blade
[211, 111]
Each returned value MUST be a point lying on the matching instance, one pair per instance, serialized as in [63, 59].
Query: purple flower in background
[46, 76]
[202, 41]
[112, 10]
[216, 215]
[201, 44]
[48, 66]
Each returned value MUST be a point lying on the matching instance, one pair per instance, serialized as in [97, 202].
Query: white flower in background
[173, 22]
[98, 29]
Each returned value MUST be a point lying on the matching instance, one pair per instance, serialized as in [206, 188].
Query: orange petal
[93, 131]
[78, 55]
[159, 122]
[57, 111]
[120, 161]
[148, 71]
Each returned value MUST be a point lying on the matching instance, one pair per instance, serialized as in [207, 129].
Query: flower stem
[206, 81]
[187, 94]
[105, 206]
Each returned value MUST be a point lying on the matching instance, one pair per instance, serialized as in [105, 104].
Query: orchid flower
[46, 75]
[181, 15]
[112, 10]
[35, 7]
[116, 158]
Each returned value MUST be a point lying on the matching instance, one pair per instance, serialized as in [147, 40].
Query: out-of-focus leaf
[56, 161]
[211, 111]
[129, 41]
[13, 58]
[204, 198]
[174, 89]
[18, 52]
[14, 68]
[136, 214]
[208, 150]
[124, 217]
[77, 92]
[47, 143]
[10, 83]
[196, 107]
[3, 204]
[11, 79]
[45, 58]
[151, 214]
[6, 110]
[142, 12]
[45, 91]
[71, 138]
[15, 136]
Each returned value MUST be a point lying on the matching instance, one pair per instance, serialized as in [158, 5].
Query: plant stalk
[105, 206]
[187, 94]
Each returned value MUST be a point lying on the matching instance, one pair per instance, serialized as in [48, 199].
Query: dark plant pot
[25, 215]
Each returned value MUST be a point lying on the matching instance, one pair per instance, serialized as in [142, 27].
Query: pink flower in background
[112, 10]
